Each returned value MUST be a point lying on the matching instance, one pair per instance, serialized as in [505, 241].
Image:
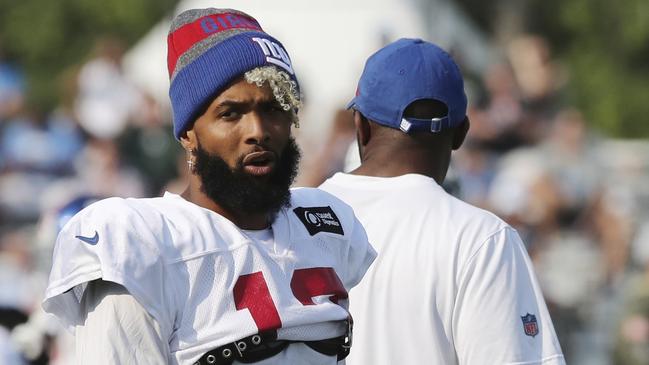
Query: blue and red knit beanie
[207, 49]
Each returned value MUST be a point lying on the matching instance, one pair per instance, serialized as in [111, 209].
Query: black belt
[246, 350]
[265, 344]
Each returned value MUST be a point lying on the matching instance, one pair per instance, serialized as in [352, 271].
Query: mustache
[235, 189]
[255, 155]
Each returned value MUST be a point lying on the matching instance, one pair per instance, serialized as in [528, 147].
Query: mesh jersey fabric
[184, 264]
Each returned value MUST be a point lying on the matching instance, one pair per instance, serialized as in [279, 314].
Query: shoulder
[116, 240]
[468, 215]
[474, 229]
[311, 196]
[322, 217]
[320, 211]
[115, 210]
[114, 224]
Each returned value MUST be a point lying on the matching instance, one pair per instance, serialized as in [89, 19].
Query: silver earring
[191, 162]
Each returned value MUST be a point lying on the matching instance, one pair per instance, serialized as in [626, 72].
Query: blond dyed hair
[284, 89]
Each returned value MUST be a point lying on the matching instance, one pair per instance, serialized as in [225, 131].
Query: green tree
[47, 37]
[604, 44]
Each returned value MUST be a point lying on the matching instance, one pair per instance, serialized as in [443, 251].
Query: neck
[252, 221]
[385, 162]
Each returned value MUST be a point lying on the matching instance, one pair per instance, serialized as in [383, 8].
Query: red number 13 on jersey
[251, 291]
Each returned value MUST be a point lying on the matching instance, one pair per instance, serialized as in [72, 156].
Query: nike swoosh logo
[89, 240]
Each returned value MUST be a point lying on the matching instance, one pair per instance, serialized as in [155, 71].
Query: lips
[259, 163]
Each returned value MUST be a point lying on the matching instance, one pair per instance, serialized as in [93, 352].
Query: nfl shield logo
[529, 325]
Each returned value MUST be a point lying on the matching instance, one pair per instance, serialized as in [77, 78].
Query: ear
[460, 133]
[363, 130]
[188, 140]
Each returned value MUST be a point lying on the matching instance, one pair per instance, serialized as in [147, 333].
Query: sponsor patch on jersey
[530, 325]
[319, 219]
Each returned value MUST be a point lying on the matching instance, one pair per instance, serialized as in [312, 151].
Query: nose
[257, 130]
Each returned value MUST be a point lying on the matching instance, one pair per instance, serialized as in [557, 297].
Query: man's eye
[275, 108]
[229, 114]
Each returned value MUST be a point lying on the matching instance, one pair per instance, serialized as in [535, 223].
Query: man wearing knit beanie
[239, 268]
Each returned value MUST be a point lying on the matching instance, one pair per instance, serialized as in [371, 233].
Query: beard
[240, 192]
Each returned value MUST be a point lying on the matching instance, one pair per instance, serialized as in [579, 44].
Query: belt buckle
[349, 335]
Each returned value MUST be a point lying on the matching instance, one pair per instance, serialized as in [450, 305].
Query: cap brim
[351, 103]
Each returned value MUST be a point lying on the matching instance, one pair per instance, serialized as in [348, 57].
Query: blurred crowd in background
[579, 200]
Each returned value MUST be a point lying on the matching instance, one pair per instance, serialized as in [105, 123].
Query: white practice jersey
[205, 281]
[452, 283]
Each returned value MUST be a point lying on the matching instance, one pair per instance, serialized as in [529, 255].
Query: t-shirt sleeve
[109, 241]
[500, 316]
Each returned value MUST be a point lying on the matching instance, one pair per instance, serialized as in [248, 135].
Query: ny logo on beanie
[275, 54]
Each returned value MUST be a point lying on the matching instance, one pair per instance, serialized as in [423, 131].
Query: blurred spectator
[8, 353]
[632, 334]
[553, 184]
[149, 146]
[20, 288]
[538, 76]
[570, 157]
[12, 88]
[632, 347]
[35, 150]
[522, 95]
[331, 157]
[106, 100]
[612, 221]
[38, 143]
[640, 245]
[570, 254]
[579, 227]
[474, 168]
[179, 184]
[16, 282]
[101, 170]
[42, 335]
[497, 125]
[523, 193]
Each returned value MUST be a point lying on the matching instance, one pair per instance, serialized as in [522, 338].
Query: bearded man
[237, 269]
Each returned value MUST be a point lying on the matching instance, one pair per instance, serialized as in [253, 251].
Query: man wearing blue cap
[452, 283]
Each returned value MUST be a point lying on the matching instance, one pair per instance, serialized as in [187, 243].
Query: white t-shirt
[452, 283]
[206, 282]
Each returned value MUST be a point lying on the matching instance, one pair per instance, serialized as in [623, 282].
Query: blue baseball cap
[406, 71]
